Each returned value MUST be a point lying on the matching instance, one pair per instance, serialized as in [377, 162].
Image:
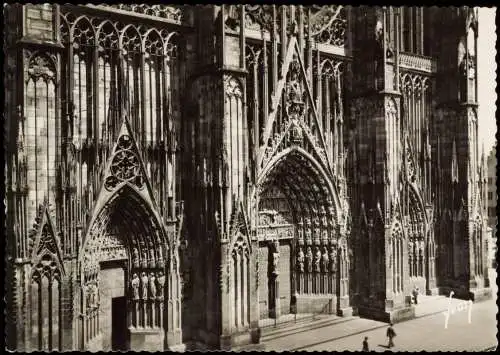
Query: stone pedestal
[147, 339]
[480, 294]
[247, 339]
[174, 338]
[432, 292]
[177, 348]
[94, 344]
[345, 312]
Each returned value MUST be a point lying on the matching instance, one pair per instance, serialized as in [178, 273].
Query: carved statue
[161, 284]
[324, 235]
[151, 257]
[144, 259]
[294, 87]
[135, 257]
[324, 219]
[159, 258]
[135, 286]
[152, 286]
[276, 257]
[309, 258]
[92, 295]
[96, 295]
[300, 233]
[317, 260]
[300, 260]
[326, 260]
[308, 234]
[89, 296]
[333, 259]
[144, 279]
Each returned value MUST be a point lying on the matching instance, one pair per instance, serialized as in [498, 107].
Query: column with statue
[276, 310]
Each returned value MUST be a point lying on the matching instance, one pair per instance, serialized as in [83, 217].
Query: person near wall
[415, 294]
[391, 334]
[365, 344]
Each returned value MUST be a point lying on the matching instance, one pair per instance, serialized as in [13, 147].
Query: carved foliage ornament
[259, 17]
[169, 12]
[41, 66]
[411, 169]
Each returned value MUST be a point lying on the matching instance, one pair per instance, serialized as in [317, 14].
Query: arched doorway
[303, 256]
[123, 276]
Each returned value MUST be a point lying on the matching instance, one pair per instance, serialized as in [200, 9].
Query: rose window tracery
[125, 166]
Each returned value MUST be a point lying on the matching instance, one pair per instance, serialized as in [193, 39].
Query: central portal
[303, 252]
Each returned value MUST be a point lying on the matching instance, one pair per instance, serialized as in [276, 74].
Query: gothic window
[477, 249]
[84, 43]
[397, 259]
[236, 125]
[471, 64]
[330, 84]
[45, 306]
[107, 74]
[407, 35]
[427, 50]
[132, 47]
[240, 282]
[412, 22]
[40, 130]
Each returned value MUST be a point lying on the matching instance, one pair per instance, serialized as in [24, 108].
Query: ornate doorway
[123, 276]
[303, 252]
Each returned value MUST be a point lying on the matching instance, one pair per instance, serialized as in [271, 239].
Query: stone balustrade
[417, 62]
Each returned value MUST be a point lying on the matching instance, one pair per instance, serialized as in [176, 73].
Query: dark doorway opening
[119, 331]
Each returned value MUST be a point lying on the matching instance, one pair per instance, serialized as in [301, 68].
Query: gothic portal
[178, 174]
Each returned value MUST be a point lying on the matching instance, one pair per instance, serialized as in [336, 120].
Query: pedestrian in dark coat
[415, 294]
[391, 334]
[365, 344]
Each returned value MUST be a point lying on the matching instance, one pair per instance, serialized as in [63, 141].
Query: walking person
[390, 334]
[365, 344]
[415, 294]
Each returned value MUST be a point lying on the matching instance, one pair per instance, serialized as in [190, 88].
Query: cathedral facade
[174, 174]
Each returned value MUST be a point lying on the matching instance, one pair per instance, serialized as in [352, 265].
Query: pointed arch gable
[118, 179]
[130, 35]
[47, 244]
[148, 36]
[240, 226]
[106, 31]
[83, 22]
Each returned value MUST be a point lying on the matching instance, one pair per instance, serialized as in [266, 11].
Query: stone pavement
[426, 332]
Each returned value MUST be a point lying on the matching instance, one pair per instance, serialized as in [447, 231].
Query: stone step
[437, 305]
[307, 324]
[249, 347]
